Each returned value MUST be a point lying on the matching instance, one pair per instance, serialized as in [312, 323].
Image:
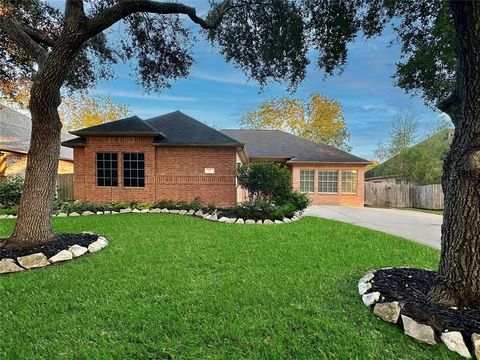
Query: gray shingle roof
[131, 126]
[281, 145]
[180, 128]
[175, 128]
[15, 129]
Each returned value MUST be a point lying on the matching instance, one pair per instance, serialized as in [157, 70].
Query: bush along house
[176, 157]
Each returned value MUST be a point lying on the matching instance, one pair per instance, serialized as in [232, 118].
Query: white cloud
[232, 78]
[138, 95]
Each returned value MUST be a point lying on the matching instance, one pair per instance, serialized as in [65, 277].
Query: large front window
[307, 181]
[327, 181]
[107, 169]
[133, 170]
[349, 181]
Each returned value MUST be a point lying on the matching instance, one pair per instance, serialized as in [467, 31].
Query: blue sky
[217, 93]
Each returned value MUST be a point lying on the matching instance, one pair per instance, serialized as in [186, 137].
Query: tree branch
[20, 37]
[38, 37]
[117, 12]
[449, 104]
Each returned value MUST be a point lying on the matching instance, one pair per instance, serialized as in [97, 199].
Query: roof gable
[131, 126]
[180, 128]
[281, 145]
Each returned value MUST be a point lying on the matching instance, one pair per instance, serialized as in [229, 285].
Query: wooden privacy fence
[409, 196]
[65, 186]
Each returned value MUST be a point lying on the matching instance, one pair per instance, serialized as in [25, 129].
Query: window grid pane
[327, 181]
[307, 180]
[133, 170]
[349, 181]
[107, 169]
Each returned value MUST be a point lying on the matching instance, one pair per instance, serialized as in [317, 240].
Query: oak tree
[268, 40]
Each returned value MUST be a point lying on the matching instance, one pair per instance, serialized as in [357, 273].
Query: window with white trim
[307, 181]
[107, 169]
[327, 181]
[349, 181]
[133, 170]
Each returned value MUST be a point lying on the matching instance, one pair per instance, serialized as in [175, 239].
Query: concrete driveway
[418, 226]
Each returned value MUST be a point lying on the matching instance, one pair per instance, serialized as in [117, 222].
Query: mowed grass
[176, 287]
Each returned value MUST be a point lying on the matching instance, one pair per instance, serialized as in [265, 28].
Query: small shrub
[263, 180]
[10, 191]
[257, 209]
[298, 200]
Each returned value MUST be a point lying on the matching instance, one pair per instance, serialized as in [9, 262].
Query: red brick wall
[332, 199]
[171, 173]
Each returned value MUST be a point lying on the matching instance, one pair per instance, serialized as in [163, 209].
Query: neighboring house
[424, 161]
[176, 157]
[15, 129]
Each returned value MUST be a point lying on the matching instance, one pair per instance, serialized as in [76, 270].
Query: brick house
[176, 157]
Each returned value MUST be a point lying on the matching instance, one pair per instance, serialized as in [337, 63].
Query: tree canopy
[268, 40]
[319, 119]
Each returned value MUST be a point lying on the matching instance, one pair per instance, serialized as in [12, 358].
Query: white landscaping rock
[99, 212]
[371, 298]
[199, 213]
[367, 277]
[87, 213]
[107, 212]
[249, 221]
[143, 211]
[223, 219]
[3, 216]
[295, 218]
[420, 332]
[62, 256]
[183, 212]
[7, 266]
[278, 222]
[454, 341]
[476, 344]
[207, 216]
[74, 214]
[135, 211]
[125, 211]
[155, 210]
[97, 245]
[286, 220]
[259, 222]
[11, 216]
[214, 217]
[363, 287]
[33, 261]
[268, 222]
[231, 220]
[77, 250]
[174, 211]
[240, 221]
[88, 232]
[389, 311]
[190, 212]
[62, 214]
[115, 213]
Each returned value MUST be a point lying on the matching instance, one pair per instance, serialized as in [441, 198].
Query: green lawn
[176, 287]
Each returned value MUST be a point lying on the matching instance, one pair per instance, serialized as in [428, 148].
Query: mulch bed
[410, 287]
[61, 242]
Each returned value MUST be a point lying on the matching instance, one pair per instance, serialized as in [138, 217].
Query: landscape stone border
[392, 313]
[40, 260]
[199, 213]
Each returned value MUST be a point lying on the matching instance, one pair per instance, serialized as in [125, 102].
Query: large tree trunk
[458, 280]
[33, 225]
